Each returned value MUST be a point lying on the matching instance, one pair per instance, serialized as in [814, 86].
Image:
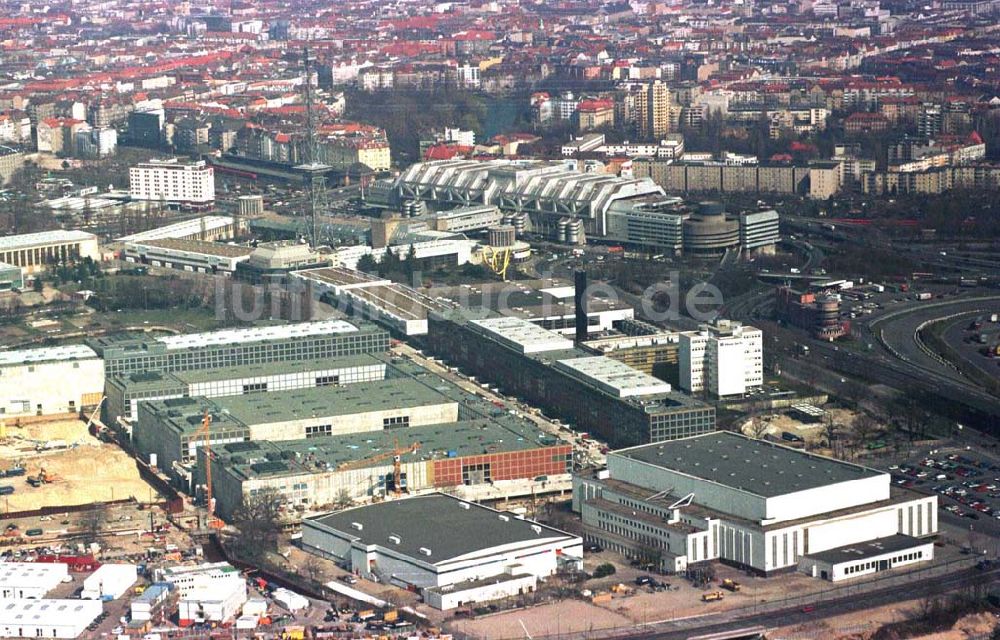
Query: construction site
[64, 463]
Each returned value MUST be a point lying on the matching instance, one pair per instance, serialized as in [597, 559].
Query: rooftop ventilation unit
[357, 525]
[425, 551]
[394, 539]
[464, 505]
[537, 529]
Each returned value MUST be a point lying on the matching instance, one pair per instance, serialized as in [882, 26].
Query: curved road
[898, 332]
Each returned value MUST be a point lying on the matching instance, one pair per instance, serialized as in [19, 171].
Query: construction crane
[206, 423]
[395, 453]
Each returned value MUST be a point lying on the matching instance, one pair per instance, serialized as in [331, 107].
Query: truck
[6, 490]
[730, 584]
[712, 596]
[924, 295]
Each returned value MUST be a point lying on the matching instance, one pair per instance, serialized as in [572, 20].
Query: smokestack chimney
[580, 300]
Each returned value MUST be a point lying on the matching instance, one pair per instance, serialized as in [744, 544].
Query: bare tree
[830, 430]
[258, 520]
[864, 428]
[313, 568]
[757, 427]
[344, 499]
[92, 522]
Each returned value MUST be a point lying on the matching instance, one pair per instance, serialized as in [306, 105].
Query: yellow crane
[395, 453]
[206, 423]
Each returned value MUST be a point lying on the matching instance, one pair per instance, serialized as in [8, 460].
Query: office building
[642, 347]
[170, 431]
[176, 183]
[816, 312]
[400, 308]
[465, 219]
[655, 222]
[723, 359]
[145, 127]
[233, 347]
[759, 231]
[125, 391]
[710, 231]
[34, 252]
[547, 302]
[203, 229]
[49, 381]
[187, 255]
[750, 503]
[273, 262]
[617, 403]
[451, 551]
[482, 456]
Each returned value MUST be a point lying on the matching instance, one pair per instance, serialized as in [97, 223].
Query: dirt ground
[90, 471]
[812, 432]
[862, 624]
[569, 616]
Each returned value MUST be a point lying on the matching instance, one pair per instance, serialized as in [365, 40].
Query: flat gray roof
[870, 549]
[382, 395]
[755, 466]
[43, 238]
[299, 404]
[445, 525]
[63, 353]
[453, 440]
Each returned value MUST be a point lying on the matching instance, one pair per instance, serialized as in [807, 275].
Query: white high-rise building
[173, 182]
[725, 358]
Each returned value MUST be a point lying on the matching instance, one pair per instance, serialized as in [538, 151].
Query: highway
[897, 331]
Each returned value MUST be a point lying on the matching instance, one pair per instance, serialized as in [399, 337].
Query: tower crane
[206, 422]
[395, 453]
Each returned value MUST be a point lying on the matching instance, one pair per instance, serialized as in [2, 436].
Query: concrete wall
[801, 504]
[50, 387]
[714, 496]
[356, 422]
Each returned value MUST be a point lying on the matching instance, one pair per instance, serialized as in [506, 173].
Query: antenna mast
[314, 172]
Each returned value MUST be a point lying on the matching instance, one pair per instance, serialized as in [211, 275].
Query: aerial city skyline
[500, 319]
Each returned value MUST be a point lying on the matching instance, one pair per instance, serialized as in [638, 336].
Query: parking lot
[967, 484]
